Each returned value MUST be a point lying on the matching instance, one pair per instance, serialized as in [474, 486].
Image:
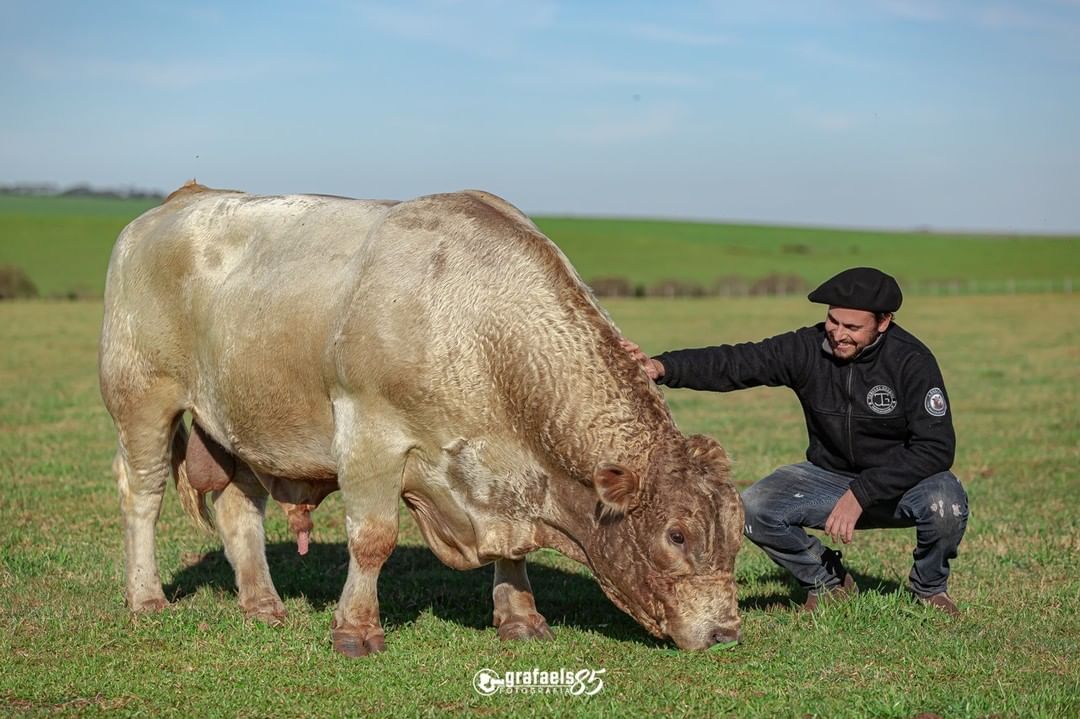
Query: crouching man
[880, 430]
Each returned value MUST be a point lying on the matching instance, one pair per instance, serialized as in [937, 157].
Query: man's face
[850, 331]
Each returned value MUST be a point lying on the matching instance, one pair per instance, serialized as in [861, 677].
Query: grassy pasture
[64, 245]
[70, 647]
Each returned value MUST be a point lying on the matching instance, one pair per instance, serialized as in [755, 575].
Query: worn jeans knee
[943, 505]
[757, 509]
[938, 506]
[768, 503]
[777, 509]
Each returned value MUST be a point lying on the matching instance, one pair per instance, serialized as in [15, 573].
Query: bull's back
[474, 306]
[236, 297]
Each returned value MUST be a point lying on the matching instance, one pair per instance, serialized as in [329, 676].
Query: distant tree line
[29, 189]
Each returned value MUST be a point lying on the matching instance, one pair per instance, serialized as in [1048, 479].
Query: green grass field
[69, 646]
[64, 245]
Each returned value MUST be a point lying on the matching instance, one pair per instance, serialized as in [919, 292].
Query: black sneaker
[847, 588]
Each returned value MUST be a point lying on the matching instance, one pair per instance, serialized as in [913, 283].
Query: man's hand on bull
[841, 522]
[653, 368]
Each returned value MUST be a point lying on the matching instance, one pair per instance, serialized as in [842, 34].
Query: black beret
[860, 288]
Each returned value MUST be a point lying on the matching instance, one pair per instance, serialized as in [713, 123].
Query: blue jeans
[803, 495]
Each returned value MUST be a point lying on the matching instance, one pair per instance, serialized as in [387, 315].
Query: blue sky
[893, 113]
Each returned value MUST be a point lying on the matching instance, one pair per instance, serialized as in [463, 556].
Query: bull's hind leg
[143, 464]
[370, 465]
[515, 609]
[239, 511]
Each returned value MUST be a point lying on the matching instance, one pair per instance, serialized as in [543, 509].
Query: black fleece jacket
[882, 418]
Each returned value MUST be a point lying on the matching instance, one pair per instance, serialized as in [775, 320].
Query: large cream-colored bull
[440, 351]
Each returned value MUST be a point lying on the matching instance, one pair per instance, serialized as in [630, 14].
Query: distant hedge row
[15, 284]
[726, 286]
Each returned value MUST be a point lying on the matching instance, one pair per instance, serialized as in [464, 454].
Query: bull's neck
[579, 400]
[584, 414]
[587, 404]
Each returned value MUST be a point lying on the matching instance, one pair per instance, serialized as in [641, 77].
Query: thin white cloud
[1010, 16]
[819, 53]
[776, 12]
[632, 78]
[586, 73]
[918, 10]
[201, 14]
[487, 28]
[1051, 30]
[158, 74]
[1049, 16]
[673, 36]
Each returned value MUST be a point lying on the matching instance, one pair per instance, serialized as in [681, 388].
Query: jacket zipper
[850, 441]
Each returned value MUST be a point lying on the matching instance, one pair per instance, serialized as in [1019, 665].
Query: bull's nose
[724, 636]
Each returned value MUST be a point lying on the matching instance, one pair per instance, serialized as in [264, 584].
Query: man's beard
[853, 348]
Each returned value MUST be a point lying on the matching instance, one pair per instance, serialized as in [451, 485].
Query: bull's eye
[676, 536]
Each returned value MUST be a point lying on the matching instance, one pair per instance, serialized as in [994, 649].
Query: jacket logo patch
[935, 402]
[881, 399]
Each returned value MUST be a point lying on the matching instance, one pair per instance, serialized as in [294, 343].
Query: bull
[439, 351]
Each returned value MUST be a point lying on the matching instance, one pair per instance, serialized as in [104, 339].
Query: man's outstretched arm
[777, 361]
[653, 367]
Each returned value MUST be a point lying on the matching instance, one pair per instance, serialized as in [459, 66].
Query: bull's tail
[192, 500]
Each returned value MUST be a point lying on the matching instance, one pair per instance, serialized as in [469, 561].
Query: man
[880, 430]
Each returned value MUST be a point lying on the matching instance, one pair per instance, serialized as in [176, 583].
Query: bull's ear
[617, 487]
[707, 451]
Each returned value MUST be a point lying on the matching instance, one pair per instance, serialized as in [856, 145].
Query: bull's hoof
[270, 619]
[522, 628]
[269, 611]
[148, 605]
[358, 642]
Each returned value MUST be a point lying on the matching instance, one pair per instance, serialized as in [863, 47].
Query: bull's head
[665, 544]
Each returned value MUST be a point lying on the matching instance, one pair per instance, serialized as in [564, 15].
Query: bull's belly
[257, 387]
[292, 441]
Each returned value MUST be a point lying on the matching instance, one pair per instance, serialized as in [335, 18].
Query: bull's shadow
[413, 581]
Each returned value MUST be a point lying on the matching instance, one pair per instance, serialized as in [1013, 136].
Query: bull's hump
[192, 188]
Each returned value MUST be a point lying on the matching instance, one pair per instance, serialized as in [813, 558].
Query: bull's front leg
[515, 609]
[370, 466]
